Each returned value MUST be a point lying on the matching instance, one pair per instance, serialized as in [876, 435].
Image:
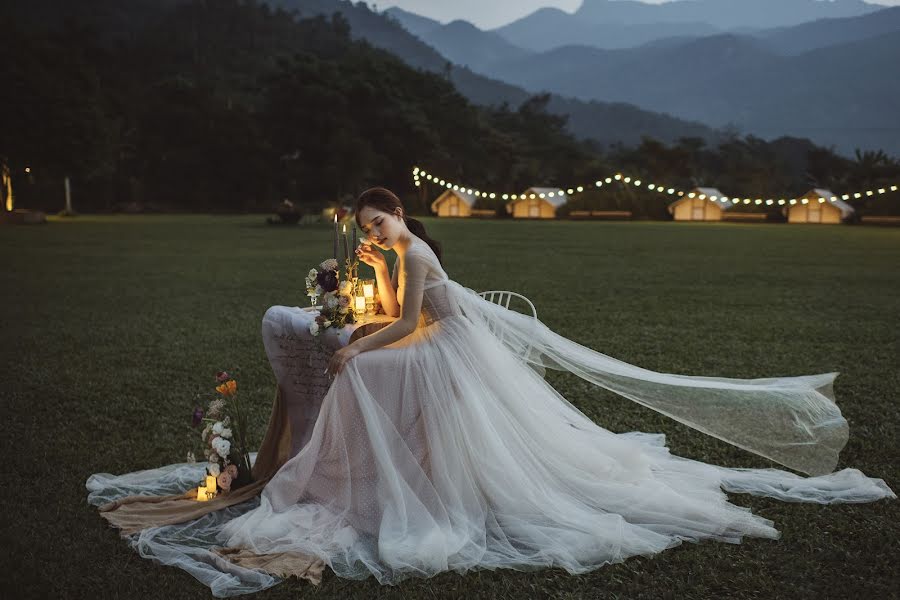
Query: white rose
[326, 324]
[222, 446]
[213, 469]
[217, 428]
[345, 287]
[226, 433]
[314, 328]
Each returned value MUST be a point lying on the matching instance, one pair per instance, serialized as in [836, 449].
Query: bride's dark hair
[385, 200]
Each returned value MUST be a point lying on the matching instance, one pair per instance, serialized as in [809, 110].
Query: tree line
[231, 105]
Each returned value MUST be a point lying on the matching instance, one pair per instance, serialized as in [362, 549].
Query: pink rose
[232, 470]
[344, 301]
[224, 480]
[222, 376]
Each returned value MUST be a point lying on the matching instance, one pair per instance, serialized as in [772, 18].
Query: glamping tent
[537, 203]
[817, 206]
[699, 204]
[453, 203]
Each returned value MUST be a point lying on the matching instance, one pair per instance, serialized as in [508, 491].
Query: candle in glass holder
[360, 304]
[368, 291]
[211, 483]
[201, 494]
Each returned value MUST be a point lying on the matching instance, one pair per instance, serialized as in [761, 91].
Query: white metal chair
[504, 298]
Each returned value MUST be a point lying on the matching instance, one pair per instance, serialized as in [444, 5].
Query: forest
[231, 105]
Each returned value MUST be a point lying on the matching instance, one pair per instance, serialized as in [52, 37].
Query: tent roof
[846, 209]
[464, 196]
[559, 197]
[706, 191]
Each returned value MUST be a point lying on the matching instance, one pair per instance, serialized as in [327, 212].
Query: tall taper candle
[334, 253]
[353, 258]
[346, 243]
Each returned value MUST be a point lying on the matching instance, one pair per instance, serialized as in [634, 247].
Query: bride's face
[382, 228]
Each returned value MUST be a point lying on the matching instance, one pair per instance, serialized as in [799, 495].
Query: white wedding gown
[447, 450]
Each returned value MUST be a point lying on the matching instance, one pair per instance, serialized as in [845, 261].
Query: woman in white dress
[439, 446]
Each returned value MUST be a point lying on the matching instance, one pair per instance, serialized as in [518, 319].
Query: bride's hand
[339, 359]
[371, 256]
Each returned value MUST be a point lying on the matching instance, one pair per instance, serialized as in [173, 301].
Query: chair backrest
[504, 298]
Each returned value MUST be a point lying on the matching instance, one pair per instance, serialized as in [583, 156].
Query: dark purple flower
[222, 376]
[197, 417]
[328, 280]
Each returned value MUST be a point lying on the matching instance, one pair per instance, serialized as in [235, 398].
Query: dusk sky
[489, 14]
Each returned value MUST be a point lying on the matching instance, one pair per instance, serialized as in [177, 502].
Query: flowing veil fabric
[447, 450]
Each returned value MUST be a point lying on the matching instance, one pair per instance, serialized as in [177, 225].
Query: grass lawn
[111, 327]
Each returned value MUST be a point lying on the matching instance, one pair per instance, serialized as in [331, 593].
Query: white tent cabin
[537, 203]
[700, 204]
[817, 206]
[453, 203]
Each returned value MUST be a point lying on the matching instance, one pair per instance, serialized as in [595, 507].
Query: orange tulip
[229, 388]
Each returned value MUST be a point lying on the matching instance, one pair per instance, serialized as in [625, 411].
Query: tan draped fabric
[132, 514]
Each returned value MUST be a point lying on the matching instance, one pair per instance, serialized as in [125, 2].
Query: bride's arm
[387, 292]
[410, 308]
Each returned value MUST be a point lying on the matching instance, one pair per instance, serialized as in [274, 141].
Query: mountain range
[612, 23]
[828, 79]
[604, 122]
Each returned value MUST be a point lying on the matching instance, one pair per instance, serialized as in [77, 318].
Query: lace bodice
[421, 267]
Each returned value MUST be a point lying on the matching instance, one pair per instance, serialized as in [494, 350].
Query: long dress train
[447, 450]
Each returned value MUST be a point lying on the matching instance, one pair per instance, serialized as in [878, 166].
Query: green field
[111, 326]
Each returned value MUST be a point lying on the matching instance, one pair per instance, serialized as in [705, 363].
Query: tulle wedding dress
[447, 450]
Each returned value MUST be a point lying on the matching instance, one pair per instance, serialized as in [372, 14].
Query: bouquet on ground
[224, 439]
[337, 294]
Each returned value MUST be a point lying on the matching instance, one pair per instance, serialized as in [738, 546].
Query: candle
[334, 245]
[346, 243]
[353, 258]
[368, 290]
[360, 304]
[201, 494]
[211, 483]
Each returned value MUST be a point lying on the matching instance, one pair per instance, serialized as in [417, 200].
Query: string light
[419, 174]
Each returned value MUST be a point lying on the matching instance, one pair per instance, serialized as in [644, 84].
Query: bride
[438, 446]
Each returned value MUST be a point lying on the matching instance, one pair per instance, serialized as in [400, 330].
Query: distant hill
[413, 23]
[841, 94]
[466, 45]
[627, 23]
[829, 32]
[604, 122]
[550, 28]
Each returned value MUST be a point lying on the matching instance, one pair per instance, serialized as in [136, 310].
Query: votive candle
[360, 304]
[201, 494]
[368, 290]
[211, 483]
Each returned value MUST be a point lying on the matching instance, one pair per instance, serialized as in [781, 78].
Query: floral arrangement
[224, 436]
[337, 294]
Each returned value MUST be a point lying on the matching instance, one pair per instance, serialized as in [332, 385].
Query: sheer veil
[793, 421]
